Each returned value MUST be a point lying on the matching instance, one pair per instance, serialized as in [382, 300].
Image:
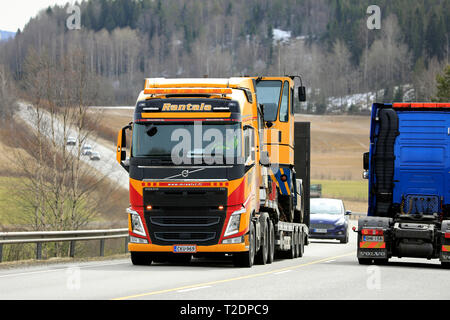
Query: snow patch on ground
[279, 35]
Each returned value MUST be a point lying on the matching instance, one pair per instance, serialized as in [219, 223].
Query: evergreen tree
[443, 86]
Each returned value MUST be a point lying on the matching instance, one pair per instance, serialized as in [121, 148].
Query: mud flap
[445, 249]
[373, 246]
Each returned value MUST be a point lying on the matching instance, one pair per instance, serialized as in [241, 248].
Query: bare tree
[57, 184]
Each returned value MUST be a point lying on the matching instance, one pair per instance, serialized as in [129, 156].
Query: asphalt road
[328, 270]
[107, 165]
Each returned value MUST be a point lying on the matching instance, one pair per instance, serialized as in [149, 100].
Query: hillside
[326, 41]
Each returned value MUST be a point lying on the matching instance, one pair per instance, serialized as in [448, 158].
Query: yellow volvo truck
[211, 173]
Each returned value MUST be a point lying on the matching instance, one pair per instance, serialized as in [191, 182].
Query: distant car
[95, 155]
[86, 150]
[329, 220]
[71, 141]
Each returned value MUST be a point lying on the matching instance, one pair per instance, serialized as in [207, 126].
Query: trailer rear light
[372, 232]
[447, 235]
[188, 91]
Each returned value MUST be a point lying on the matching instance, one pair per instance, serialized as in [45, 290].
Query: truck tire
[297, 243]
[292, 251]
[246, 259]
[261, 257]
[364, 261]
[141, 258]
[271, 248]
[301, 245]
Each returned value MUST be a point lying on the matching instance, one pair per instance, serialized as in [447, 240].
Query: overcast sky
[14, 14]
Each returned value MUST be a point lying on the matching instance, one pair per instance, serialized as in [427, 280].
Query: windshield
[268, 93]
[188, 143]
[326, 206]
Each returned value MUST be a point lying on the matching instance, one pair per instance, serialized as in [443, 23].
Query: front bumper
[218, 248]
[337, 233]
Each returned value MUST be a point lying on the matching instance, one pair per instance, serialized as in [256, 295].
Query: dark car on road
[329, 220]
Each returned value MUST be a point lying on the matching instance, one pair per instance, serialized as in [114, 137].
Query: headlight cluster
[136, 223]
[234, 223]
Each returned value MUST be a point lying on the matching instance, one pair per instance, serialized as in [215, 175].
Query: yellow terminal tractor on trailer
[212, 170]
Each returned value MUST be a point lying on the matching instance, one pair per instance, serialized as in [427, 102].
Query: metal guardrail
[40, 237]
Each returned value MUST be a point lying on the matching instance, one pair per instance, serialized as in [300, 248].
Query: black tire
[141, 258]
[345, 240]
[445, 265]
[246, 259]
[297, 243]
[364, 261]
[271, 248]
[301, 246]
[292, 251]
[261, 257]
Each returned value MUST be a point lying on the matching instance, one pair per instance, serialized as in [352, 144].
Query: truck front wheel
[141, 258]
[246, 259]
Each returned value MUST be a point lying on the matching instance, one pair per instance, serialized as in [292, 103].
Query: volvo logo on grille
[184, 174]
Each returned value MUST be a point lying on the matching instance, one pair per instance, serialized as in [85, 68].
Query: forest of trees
[125, 41]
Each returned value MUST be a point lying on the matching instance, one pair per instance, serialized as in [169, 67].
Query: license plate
[320, 230]
[185, 249]
[374, 238]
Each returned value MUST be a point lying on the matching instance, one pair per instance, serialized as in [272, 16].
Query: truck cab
[276, 97]
[200, 180]
[407, 168]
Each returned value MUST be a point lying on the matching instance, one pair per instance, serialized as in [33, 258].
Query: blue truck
[408, 171]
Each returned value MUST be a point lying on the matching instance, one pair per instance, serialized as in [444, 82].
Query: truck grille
[192, 218]
[184, 221]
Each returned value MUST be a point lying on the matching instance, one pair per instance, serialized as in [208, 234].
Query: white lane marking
[281, 272]
[192, 289]
[58, 269]
[330, 261]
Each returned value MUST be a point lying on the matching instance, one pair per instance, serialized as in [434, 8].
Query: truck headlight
[234, 223]
[136, 223]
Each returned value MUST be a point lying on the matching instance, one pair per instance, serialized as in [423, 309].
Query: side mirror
[348, 212]
[366, 156]
[301, 94]
[269, 124]
[121, 155]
